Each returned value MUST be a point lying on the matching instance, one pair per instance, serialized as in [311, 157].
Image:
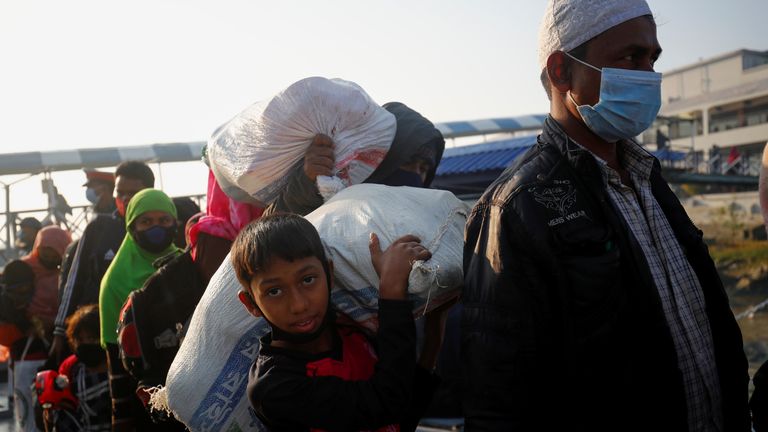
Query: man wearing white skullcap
[591, 302]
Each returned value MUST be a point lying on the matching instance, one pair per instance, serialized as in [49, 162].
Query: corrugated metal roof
[498, 155]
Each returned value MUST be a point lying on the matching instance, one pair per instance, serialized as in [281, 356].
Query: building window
[737, 115]
[682, 127]
[750, 61]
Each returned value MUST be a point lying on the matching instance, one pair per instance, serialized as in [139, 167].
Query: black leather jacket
[562, 326]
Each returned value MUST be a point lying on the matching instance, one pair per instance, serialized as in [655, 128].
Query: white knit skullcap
[569, 23]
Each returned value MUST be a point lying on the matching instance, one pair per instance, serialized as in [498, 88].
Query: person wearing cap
[88, 258]
[99, 188]
[590, 300]
[25, 237]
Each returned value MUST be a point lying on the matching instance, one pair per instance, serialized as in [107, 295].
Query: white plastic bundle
[206, 384]
[346, 221]
[261, 146]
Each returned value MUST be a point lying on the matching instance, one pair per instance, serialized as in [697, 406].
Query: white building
[724, 100]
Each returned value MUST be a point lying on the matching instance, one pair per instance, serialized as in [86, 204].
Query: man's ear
[250, 305]
[559, 72]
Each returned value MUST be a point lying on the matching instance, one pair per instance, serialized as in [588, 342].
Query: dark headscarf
[413, 133]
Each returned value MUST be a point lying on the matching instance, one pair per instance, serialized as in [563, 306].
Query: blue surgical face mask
[155, 239]
[628, 105]
[92, 196]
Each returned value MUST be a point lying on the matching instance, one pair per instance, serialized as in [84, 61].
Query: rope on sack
[435, 269]
[445, 225]
[158, 399]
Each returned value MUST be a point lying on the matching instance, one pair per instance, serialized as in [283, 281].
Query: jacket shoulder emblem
[559, 197]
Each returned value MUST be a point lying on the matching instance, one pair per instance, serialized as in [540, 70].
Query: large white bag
[346, 221]
[259, 148]
[206, 383]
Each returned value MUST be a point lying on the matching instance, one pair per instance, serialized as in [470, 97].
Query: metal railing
[74, 220]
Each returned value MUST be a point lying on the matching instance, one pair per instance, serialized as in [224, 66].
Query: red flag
[733, 156]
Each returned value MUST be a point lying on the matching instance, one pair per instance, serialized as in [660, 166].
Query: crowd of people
[590, 300]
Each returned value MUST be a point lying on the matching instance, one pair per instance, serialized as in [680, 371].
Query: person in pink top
[45, 260]
[30, 352]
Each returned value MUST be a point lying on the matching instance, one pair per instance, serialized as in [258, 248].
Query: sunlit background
[79, 74]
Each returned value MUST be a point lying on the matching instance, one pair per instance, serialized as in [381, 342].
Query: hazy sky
[104, 73]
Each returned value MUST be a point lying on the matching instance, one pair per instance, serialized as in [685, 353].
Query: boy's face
[292, 295]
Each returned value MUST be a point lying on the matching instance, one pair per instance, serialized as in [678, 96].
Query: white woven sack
[259, 148]
[206, 383]
[205, 386]
[346, 221]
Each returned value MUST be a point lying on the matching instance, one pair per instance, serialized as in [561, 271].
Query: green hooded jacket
[132, 265]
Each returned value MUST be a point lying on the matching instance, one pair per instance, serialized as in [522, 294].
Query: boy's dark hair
[282, 235]
[136, 170]
[17, 271]
[85, 318]
[30, 222]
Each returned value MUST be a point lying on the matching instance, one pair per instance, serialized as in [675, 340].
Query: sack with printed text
[206, 385]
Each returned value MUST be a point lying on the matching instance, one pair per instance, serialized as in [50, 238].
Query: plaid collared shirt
[677, 284]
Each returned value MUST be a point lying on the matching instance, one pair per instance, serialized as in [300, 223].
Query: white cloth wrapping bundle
[207, 381]
[258, 149]
[346, 221]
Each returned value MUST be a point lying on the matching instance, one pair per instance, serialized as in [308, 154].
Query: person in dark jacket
[100, 187]
[186, 208]
[25, 237]
[312, 372]
[86, 264]
[151, 225]
[411, 161]
[591, 302]
[154, 319]
[758, 403]
[86, 371]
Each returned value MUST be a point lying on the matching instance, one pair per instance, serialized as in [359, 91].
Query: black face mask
[50, 264]
[402, 177]
[92, 355]
[156, 239]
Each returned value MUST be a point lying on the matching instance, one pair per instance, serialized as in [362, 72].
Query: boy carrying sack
[312, 372]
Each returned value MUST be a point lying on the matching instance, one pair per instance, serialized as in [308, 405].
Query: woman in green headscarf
[151, 225]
